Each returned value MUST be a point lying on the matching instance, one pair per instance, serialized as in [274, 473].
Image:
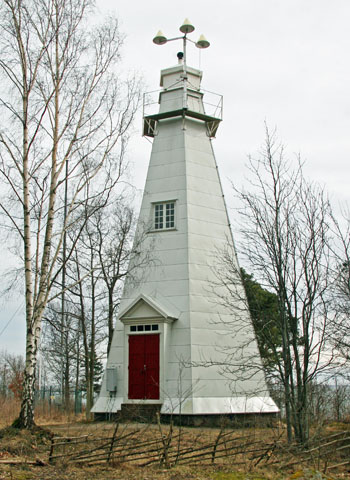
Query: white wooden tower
[173, 331]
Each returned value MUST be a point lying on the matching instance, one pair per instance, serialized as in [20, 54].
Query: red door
[144, 367]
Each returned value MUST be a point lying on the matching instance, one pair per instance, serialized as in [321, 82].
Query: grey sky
[283, 61]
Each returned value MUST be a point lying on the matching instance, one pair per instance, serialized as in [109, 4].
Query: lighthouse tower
[177, 344]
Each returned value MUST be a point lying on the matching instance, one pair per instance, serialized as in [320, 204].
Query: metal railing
[212, 103]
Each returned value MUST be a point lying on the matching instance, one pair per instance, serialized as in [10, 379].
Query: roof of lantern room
[186, 80]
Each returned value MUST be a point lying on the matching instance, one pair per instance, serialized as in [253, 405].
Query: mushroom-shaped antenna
[186, 27]
[202, 42]
[159, 39]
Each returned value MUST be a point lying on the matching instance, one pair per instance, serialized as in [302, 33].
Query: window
[164, 215]
[144, 328]
[158, 216]
[169, 215]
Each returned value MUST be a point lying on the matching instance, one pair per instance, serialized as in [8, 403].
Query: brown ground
[22, 447]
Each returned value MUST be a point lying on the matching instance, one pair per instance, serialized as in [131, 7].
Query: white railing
[212, 103]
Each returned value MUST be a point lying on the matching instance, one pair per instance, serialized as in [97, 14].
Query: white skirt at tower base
[196, 406]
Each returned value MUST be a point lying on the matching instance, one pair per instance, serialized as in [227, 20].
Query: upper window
[144, 328]
[164, 215]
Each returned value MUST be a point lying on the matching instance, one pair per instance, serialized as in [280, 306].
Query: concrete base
[223, 421]
[148, 414]
[140, 413]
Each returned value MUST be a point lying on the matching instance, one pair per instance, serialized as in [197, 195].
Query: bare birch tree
[90, 313]
[284, 232]
[340, 325]
[115, 244]
[107, 245]
[100, 260]
[61, 101]
[60, 349]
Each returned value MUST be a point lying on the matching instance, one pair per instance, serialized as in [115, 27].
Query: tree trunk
[26, 417]
[110, 317]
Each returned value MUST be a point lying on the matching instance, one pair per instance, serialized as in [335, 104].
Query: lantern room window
[164, 215]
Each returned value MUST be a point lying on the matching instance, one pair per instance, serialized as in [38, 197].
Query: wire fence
[52, 397]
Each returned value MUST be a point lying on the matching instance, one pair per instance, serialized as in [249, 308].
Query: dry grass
[44, 414]
[9, 410]
[23, 446]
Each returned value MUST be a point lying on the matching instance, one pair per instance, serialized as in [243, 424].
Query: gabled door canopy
[144, 307]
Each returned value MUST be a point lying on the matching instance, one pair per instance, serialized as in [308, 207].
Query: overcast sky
[285, 62]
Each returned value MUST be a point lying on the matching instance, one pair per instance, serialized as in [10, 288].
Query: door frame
[163, 332]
